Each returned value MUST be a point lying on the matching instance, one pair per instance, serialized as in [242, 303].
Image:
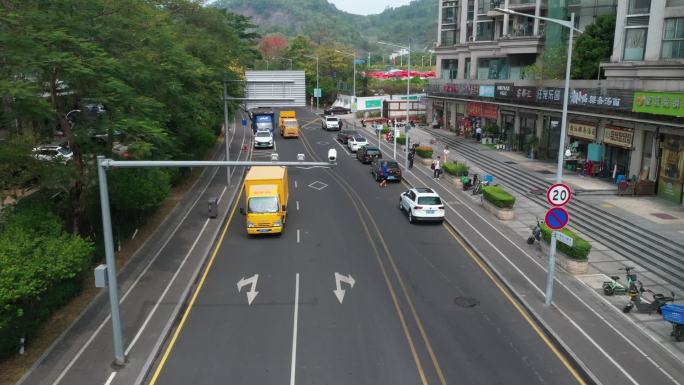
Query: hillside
[322, 22]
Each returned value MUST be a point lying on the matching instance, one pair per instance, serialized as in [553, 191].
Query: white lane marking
[294, 330]
[297, 205]
[110, 378]
[297, 235]
[130, 289]
[542, 293]
[166, 290]
[295, 183]
[222, 192]
[134, 234]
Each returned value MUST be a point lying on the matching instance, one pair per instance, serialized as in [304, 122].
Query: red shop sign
[490, 111]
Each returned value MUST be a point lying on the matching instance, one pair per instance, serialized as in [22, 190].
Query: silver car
[263, 139]
[356, 142]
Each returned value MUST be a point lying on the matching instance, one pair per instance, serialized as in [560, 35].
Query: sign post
[556, 218]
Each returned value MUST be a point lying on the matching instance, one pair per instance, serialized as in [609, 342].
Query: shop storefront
[437, 113]
[482, 115]
[617, 152]
[527, 137]
[550, 138]
[581, 134]
[508, 129]
[671, 175]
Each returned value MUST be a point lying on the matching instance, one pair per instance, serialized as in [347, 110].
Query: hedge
[499, 197]
[455, 168]
[385, 130]
[580, 247]
[401, 140]
[424, 151]
[41, 268]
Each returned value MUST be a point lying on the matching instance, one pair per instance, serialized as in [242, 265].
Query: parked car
[53, 153]
[331, 123]
[344, 135]
[366, 154]
[336, 110]
[422, 203]
[393, 170]
[355, 142]
[263, 139]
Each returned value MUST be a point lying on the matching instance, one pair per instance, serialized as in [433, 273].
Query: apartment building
[628, 122]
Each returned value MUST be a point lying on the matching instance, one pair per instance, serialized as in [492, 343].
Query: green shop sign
[659, 103]
[374, 103]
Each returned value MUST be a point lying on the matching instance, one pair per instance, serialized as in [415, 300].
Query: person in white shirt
[478, 133]
[436, 168]
[445, 154]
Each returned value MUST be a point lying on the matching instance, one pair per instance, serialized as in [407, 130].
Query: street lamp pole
[408, 93]
[317, 97]
[353, 55]
[564, 119]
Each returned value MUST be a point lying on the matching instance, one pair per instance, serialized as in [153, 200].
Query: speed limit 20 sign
[559, 194]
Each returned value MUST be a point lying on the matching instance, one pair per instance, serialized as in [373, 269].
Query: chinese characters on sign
[582, 130]
[583, 97]
[659, 103]
[549, 95]
[618, 136]
[525, 93]
[484, 110]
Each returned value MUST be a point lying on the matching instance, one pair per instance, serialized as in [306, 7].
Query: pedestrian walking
[445, 154]
[411, 156]
[340, 124]
[384, 172]
[478, 133]
[436, 168]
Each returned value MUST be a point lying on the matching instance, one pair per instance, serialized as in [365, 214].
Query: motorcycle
[536, 233]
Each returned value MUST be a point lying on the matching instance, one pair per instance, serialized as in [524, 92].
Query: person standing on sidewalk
[445, 153]
[436, 168]
[411, 156]
[478, 133]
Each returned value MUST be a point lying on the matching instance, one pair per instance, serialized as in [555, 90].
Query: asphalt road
[422, 310]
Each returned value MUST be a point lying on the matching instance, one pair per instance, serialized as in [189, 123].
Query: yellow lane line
[376, 252]
[517, 305]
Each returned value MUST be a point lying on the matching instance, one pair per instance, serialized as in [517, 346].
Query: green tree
[592, 47]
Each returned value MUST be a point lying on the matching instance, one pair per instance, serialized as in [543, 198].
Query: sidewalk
[589, 325]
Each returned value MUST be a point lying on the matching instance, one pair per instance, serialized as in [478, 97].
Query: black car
[344, 135]
[394, 171]
[336, 110]
[366, 154]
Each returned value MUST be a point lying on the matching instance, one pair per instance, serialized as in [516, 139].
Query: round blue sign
[557, 218]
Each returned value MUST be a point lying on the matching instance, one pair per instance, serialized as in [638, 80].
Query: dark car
[394, 172]
[367, 153]
[344, 135]
[336, 110]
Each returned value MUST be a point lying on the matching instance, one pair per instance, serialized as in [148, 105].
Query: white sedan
[422, 203]
[356, 142]
[263, 139]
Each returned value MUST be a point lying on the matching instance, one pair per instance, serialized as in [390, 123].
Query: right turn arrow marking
[251, 294]
[339, 278]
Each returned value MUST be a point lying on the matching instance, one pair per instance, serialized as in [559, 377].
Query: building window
[673, 39]
[485, 30]
[639, 7]
[449, 37]
[449, 69]
[635, 43]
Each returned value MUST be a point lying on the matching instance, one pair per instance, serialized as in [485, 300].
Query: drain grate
[466, 301]
[663, 216]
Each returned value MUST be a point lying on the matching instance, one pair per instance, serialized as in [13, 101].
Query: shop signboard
[549, 95]
[582, 130]
[659, 103]
[593, 98]
[503, 90]
[524, 93]
[373, 103]
[486, 91]
[459, 89]
[483, 110]
[671, 178]
[618, 136]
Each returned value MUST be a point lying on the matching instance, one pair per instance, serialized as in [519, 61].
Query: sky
[366, 7]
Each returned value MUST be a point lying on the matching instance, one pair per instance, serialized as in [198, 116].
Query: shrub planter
[457, 182]
[575, 259]
[426, 161]
[424, 151]
[500, 213]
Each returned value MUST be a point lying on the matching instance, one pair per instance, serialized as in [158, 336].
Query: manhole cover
[663, 216]
[510, 162]
[466, 301]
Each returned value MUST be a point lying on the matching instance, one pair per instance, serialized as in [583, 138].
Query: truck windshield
[290, 123]
[263, 205]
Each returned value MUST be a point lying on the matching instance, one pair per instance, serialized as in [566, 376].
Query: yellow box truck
[266, 194]
[289, 127]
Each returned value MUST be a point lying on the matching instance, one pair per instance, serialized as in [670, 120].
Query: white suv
[331, 123]
[423, 204]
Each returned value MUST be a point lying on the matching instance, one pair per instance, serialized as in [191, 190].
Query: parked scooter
[614, 287]
[477, 187]
[536, 233]
[643, 305]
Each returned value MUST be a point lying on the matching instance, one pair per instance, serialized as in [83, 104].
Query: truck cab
[289, 127]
